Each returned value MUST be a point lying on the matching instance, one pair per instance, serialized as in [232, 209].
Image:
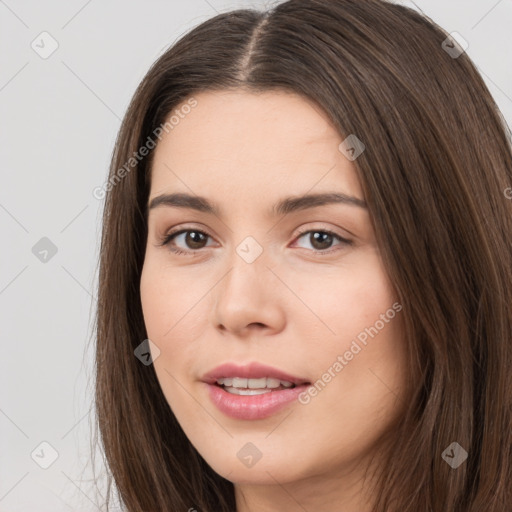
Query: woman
[306, 271]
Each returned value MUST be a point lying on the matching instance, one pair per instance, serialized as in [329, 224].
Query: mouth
[251, 387]
[253, 391]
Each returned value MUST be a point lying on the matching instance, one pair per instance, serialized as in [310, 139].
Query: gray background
[60, 116]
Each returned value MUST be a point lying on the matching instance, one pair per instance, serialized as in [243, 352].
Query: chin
[256, 476]
[261, 472]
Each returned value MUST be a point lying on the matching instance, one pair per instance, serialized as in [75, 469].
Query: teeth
[238, 391]
[238, 382]
[273, 383]
[258, 384]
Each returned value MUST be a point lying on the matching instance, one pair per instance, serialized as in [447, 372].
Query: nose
[249, 298]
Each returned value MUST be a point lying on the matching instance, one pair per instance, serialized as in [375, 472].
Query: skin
[292, 308]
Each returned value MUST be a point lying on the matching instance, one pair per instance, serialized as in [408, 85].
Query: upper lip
[252, 370]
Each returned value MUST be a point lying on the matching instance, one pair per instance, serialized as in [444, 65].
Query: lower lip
[253, 407]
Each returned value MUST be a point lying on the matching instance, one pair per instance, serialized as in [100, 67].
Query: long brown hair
[435, 175]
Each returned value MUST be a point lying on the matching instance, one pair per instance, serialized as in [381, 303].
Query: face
[300, 290]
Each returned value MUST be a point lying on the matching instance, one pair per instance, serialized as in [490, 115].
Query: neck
[344, 490]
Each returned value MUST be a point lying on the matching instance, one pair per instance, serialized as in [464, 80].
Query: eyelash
[170, 236]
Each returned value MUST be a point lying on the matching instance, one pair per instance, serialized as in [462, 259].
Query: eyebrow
[283, 207]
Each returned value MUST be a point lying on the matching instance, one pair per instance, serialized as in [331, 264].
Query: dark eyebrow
[283, 207]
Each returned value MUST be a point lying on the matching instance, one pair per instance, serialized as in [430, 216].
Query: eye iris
[324, 238]
[320, 240]
[189, 239]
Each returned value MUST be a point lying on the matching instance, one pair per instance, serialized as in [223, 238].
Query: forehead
[254, 143]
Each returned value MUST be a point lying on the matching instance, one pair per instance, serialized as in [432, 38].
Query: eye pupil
[325, 239]
[191, 235]
[320, 240]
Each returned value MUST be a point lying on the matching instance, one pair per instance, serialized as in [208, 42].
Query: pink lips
[252, 407]
[250, 371]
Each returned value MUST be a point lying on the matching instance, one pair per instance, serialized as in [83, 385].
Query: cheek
[157, 302]
[173, 307]
[172, 323]
[346, 300]
[359, 358]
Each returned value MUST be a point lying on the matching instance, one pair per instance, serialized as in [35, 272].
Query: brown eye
[192, 240]
[321, 240]
[195, 239]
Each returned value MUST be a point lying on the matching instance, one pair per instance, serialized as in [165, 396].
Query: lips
[252, 403]
[251, 371]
